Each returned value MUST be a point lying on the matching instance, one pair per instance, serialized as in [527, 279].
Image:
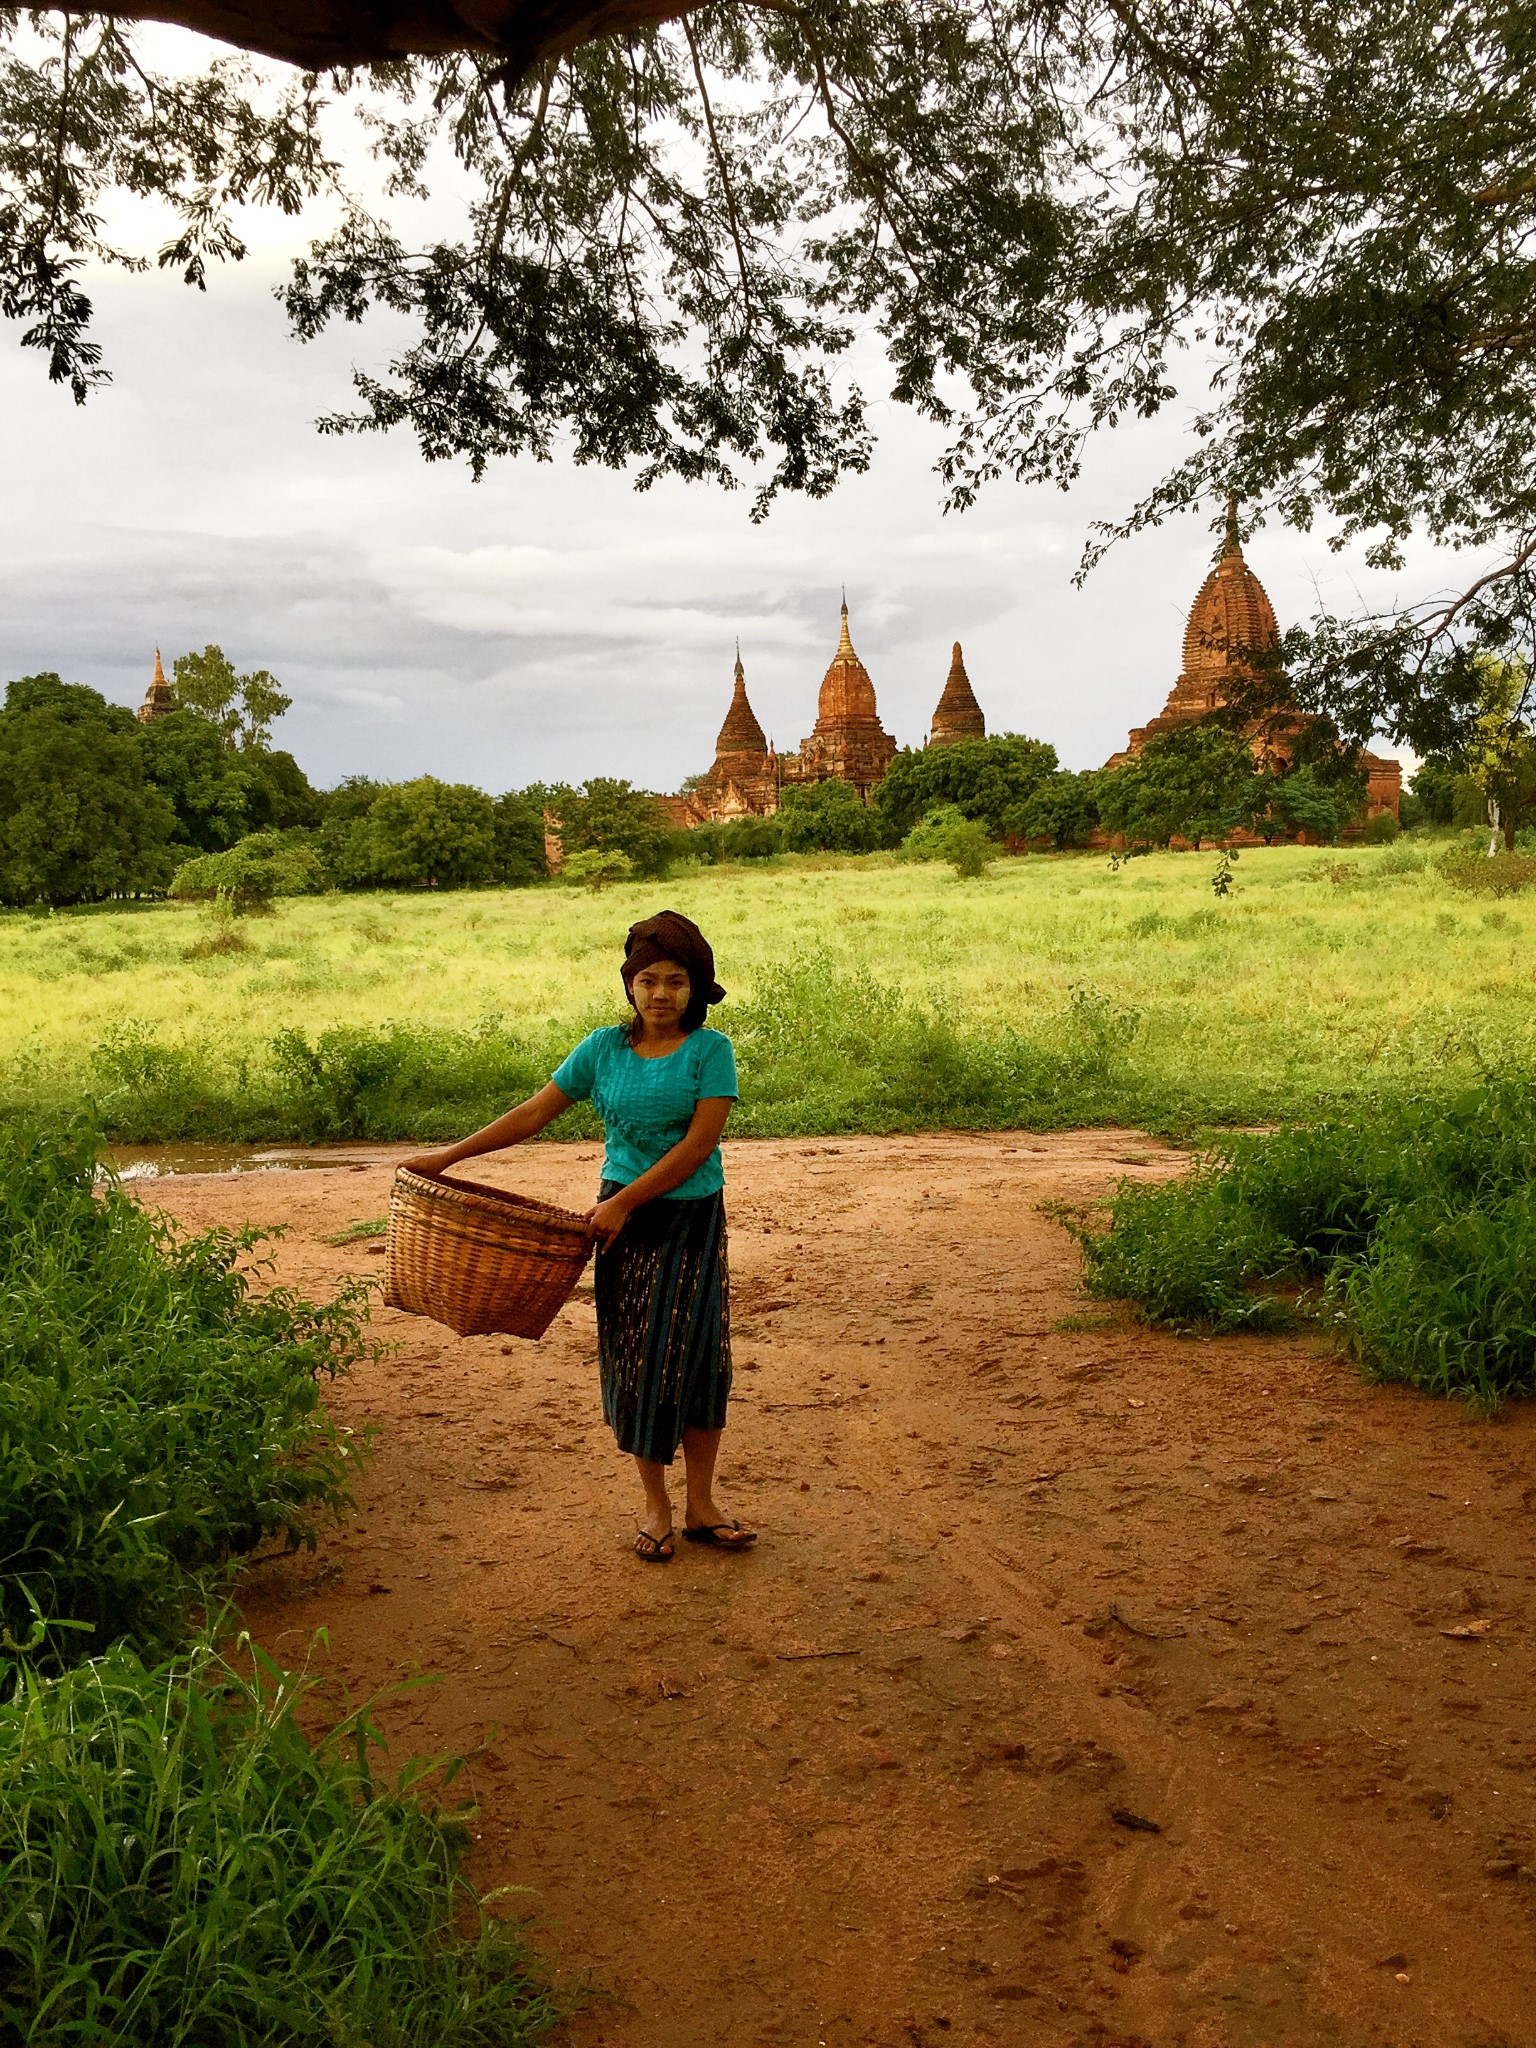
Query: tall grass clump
[159, 1417]
[185, 1868]
[1418, 1220]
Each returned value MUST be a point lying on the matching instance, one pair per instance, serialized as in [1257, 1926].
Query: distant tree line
[197, 802]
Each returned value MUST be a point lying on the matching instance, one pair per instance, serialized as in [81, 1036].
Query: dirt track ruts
[858, 1787]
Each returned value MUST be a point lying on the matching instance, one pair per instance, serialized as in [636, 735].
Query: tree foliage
[78, 822]
[989, 780]
[240, 708]
[1201, 781]
[607, 815]
[1499, 756]
[1187, 784]
[830, 817]
[519, 838]
[1315, 227]
[443, 833]
[194, 771]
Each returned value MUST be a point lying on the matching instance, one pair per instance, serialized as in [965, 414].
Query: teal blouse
[647, 1105]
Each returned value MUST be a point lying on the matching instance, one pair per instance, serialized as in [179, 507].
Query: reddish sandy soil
[861, 1786]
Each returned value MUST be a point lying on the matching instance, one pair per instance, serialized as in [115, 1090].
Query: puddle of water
[157, 1162]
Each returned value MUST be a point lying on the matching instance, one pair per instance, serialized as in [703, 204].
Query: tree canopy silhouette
[1310, 224]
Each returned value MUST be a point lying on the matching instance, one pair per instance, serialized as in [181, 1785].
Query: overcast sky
[548, 623]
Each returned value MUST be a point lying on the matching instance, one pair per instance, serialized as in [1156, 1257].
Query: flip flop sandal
[723, 1535]
[654, 1549]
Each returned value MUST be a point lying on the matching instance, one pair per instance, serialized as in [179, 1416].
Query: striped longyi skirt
[663, 1299]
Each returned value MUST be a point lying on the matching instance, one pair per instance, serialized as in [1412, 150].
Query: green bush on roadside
[184, 1866]
[1419, 1220]
[160, 1417]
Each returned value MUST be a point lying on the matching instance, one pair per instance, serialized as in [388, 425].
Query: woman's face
[661, 994]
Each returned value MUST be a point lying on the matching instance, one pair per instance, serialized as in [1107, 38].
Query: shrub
[594, 870]
[184, 1865]
[249, 874]
[737, 839]
[160, 1417]
[1502, 874]
[1403, 860]
[945, 833]
[1419, 1216]
[1380, 830]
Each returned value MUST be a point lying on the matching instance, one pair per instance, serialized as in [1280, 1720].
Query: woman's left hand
[608, 1219]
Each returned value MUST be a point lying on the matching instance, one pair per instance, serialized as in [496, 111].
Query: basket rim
[502, 1198]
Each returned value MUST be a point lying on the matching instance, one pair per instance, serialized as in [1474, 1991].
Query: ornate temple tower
[1231, 613]
[158, 699]
[957, 716]
[1230, 617]
[848, 742]
[743, 781]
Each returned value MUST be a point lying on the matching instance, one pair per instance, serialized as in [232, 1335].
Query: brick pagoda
[1230, 620]
[848, 743]
[158, 698]
[957, 716]
[743, 781]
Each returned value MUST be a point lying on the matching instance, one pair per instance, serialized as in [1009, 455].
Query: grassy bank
[865, 995]
[185, 1866]
[1409, 1233]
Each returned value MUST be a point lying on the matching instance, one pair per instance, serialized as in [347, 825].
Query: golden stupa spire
[157, 681]
[844, 644]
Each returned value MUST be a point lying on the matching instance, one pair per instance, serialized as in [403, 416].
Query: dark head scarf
[671, 936]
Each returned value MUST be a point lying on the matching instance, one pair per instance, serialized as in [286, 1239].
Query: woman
[663, 1084]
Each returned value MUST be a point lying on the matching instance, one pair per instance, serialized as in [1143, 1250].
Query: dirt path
[860, 1786]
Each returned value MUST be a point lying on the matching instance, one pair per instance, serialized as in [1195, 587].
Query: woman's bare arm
[526, 1121]
[669, 1172]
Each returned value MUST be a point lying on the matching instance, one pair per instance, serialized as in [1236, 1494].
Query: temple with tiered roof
[847, 744]
[743, 780]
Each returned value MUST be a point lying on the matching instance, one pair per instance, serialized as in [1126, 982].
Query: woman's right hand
[429, 1162]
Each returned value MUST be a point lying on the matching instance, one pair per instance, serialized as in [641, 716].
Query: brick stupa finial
[158, 698]
[957, 715]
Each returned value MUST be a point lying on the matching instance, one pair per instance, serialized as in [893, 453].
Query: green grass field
[865, 994]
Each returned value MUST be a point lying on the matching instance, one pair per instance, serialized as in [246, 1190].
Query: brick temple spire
[957, 715]
[848, 744]
[158, 698]
[741, 733]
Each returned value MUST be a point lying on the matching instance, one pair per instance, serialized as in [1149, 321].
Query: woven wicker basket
[479, 1259]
